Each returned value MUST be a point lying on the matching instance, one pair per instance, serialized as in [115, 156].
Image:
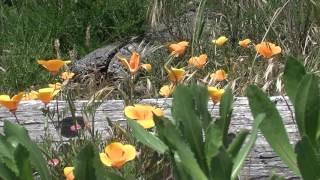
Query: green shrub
[199, 147]
[19, 155]
[303, 91]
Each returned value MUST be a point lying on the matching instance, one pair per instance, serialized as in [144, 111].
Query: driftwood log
[261, 163]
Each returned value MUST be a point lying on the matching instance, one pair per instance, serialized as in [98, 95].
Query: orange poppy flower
[245, 43]
[215, 94]
[11, 103]
[176, 75]
[219, 75]
[178, 49]
[117, 154]
[68, 173]
[133, 64]
[199, 62]
[67, 75]
[143, 114]
[220, 41]
[47, 94]
[167, 90]
[267, 49]
[54, 65]
[30, 96]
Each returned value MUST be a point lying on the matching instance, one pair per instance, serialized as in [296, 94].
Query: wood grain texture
[261, 163]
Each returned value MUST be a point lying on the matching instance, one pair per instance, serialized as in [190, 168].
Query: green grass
[291, 24]
[28, 31]
[29, 28]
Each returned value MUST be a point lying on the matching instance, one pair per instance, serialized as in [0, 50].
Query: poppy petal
[104, 159]
[130, 152]
[147, 123]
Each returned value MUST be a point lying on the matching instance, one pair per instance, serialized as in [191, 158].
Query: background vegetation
[29, 29]
[291, 24]
[39, 29]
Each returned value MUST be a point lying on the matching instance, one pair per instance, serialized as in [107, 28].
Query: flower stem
[131, 84]
[46, 120]
[15, 116]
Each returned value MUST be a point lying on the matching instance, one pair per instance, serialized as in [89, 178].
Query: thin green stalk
[131, 86]
[198, 26]
[46, 120]
[274, 17]
[15, 116]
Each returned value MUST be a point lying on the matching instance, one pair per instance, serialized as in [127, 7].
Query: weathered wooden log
[104, 60]
[259, 165]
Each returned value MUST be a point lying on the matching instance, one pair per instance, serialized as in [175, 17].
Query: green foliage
[293, 74]
[307, 105]
[146, 138]
[19, 154]
[89, 166]
[197, 145]
[29, 28]
[272, 126]
[308, 161]
[303, 90]
[245, 149]
[21, 157]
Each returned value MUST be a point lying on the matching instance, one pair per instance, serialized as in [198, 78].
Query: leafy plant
[199, 147]
[89, 166]
[303, 91]
[19, 155]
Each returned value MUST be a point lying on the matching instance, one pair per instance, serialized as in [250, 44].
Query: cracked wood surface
[259, 165]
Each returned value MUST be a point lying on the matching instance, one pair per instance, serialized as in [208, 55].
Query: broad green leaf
[18, 133]
[308, 162]
[179, 170]
[21, 156]
[89, 166]
[6, 154]
[147, 138]
[237, 143]
[245, 150]
[293, 73]
[6, 173]
[6, 148]
[221, 166]
[307, 107]
[185, 108]
[172, 137]
[201, 97]
[84, 166]
[214, 136]
[272, 126]
[226, 105]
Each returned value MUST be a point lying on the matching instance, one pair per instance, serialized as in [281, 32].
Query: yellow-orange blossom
[54, 65]
[178, 49]
[267, 49]
[134, 64]
[198, 61]
[215, 94]
[11, 103]
[47, 94]
[117, 154]
[143, 114]
[68, 173]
